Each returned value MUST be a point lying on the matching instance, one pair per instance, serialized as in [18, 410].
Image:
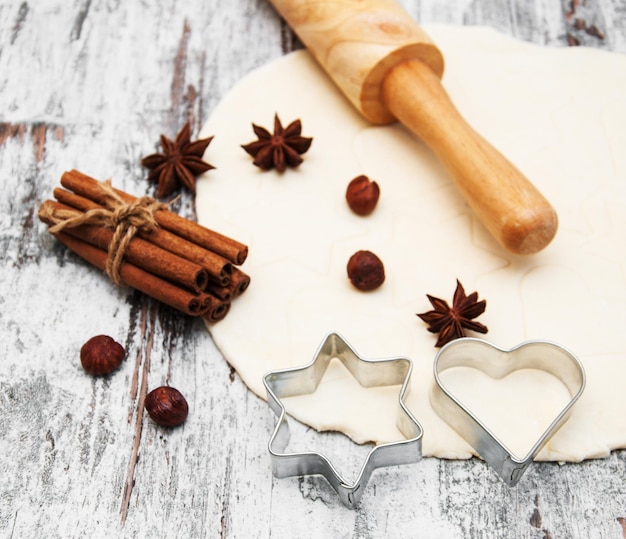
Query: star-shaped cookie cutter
[305, 380]
[497, 363]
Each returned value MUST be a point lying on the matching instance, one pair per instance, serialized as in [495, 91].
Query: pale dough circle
[559, 115]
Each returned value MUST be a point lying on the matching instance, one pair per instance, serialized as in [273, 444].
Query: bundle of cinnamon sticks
[141, 244]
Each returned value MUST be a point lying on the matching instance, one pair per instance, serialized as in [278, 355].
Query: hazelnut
[166, 406]
[362, 195]
[101, 355]
[365, 270]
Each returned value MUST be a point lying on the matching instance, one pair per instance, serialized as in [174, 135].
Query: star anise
[179, 163]
[451, 322]
[279, 150]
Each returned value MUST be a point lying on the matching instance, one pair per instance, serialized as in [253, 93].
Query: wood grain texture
[91, 85]
[358, 43]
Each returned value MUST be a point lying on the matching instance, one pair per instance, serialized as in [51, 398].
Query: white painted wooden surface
[90, 84]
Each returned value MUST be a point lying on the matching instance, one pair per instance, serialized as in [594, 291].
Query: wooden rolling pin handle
[507, 204]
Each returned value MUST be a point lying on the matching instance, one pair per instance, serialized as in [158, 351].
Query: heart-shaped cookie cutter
[497, 363]
[369, 373]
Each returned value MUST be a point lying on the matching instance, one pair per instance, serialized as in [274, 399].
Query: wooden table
[90, 85]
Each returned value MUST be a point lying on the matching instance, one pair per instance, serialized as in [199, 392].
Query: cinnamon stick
[218, 312]
[139, 252]
[222, 293]
[218, 268]
[229, 248]
[122, 235]
[145, 282]
[239, 282]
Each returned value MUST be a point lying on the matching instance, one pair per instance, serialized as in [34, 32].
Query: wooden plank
[89, 85]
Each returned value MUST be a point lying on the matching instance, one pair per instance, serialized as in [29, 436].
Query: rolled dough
[559, 115]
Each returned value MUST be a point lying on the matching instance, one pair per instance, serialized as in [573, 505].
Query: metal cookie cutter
[305, 380]
[498, 363]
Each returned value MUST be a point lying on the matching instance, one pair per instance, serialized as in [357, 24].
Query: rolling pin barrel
[358, 42]
[390, 70]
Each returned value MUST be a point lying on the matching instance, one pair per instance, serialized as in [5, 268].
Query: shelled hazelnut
[101, 355]
[365, 270]
[166, 406]
[362, 195]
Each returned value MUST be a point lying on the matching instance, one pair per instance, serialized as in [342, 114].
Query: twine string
[125, 219]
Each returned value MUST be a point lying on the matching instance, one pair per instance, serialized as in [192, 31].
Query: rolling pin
[390, 70]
